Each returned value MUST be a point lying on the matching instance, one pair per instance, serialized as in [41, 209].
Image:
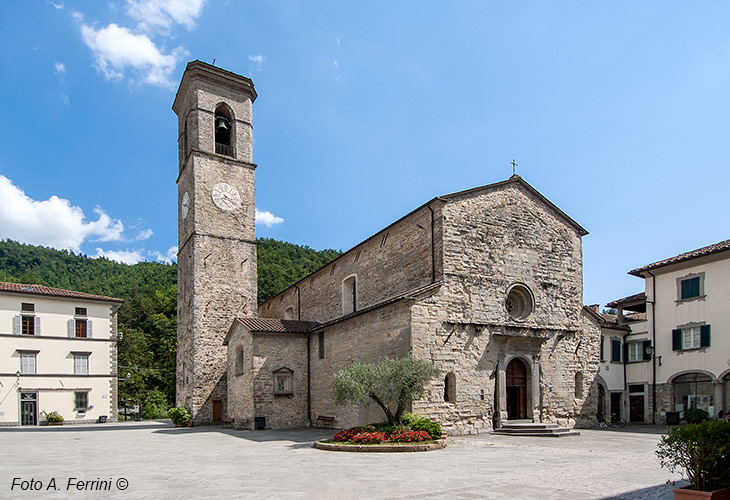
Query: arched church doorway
[516, 390]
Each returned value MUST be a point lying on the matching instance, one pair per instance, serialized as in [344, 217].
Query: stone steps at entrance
[534, 429]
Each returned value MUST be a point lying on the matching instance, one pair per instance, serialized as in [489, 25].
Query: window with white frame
[691, 337]
[81, 364]
[634, 351]
[27, 363]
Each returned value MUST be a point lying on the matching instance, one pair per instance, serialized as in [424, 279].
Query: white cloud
[336, 65]
[167, 259]
[143, 235]
[124, 257]
[116, 49]
[161, 15]
[53, 222]
[258, 60]
[58, 6]
[267, 218]
[59, 69]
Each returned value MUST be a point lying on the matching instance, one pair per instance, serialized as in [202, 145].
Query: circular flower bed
[370, 438]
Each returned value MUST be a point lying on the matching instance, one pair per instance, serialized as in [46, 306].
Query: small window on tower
[223, 127]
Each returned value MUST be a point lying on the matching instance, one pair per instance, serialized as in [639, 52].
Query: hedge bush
[696, 415]
[702, 450]
[421, 423]
[179, 415]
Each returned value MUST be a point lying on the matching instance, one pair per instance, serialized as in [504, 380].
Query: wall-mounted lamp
[660, 360]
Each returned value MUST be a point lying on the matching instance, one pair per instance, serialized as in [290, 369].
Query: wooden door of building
[217, 411]
[636, 408]
[516, 390]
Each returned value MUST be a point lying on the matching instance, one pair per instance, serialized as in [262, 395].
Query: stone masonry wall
[272, 351]
[240, 405]
[367, 337]
[217, 249]
[492, 240]
[508, 235]
[392, 262]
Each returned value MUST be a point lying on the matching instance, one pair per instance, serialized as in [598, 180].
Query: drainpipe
[299, 303]
[309, 381]
[433, 254]
[653, 345]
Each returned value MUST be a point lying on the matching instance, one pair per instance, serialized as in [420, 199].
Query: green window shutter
[691, 288]
[705, 336]
[646, 344]
[677, 339]
[602, 358]
[616, 351]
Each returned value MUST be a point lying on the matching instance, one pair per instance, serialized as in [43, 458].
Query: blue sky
[616, 111]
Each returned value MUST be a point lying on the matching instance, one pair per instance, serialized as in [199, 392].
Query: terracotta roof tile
[53, 292]
[277, 325]
[700, 252]
[639, 297]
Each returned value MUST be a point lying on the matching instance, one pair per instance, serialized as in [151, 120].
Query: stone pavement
[155, 460]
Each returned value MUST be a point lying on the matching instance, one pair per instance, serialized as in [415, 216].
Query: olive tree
[387, 382]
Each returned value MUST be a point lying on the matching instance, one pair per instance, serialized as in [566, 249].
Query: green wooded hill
[148, 318]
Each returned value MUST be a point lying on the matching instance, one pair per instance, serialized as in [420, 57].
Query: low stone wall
[382, 448]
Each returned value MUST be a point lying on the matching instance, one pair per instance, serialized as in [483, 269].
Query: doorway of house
[616, 404]
[516, 390]
[217, 411]
[636, 408]
[28, 408]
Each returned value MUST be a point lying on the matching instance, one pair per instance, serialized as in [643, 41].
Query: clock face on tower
[226, 197]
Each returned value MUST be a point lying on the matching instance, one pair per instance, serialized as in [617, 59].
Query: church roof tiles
[271, 325]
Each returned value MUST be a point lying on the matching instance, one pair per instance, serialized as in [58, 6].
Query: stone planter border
[383, 448]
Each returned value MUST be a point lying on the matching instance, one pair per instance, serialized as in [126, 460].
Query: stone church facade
[486, 284]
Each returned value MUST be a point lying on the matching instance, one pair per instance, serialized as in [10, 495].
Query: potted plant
[53, 417]
[180, 416]
[703, 452]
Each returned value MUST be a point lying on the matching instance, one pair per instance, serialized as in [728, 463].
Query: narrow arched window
[239, 360]
[450, 388]
[579, 385]
[289, 313]
[349, 295]
[223, 130]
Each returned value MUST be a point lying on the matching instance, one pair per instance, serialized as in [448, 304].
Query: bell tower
[216, 230]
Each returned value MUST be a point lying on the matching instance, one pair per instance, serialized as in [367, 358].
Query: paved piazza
[155, 460]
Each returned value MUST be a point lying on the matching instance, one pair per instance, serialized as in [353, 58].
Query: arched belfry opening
[223, 130]
[516, 385]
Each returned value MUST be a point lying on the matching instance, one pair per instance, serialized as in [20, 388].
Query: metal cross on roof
[514, 165]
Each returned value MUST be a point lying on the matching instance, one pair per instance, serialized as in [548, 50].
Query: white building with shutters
[58, 352]
[678, 355]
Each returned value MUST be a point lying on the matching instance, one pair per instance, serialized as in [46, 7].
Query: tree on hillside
[387, 382]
